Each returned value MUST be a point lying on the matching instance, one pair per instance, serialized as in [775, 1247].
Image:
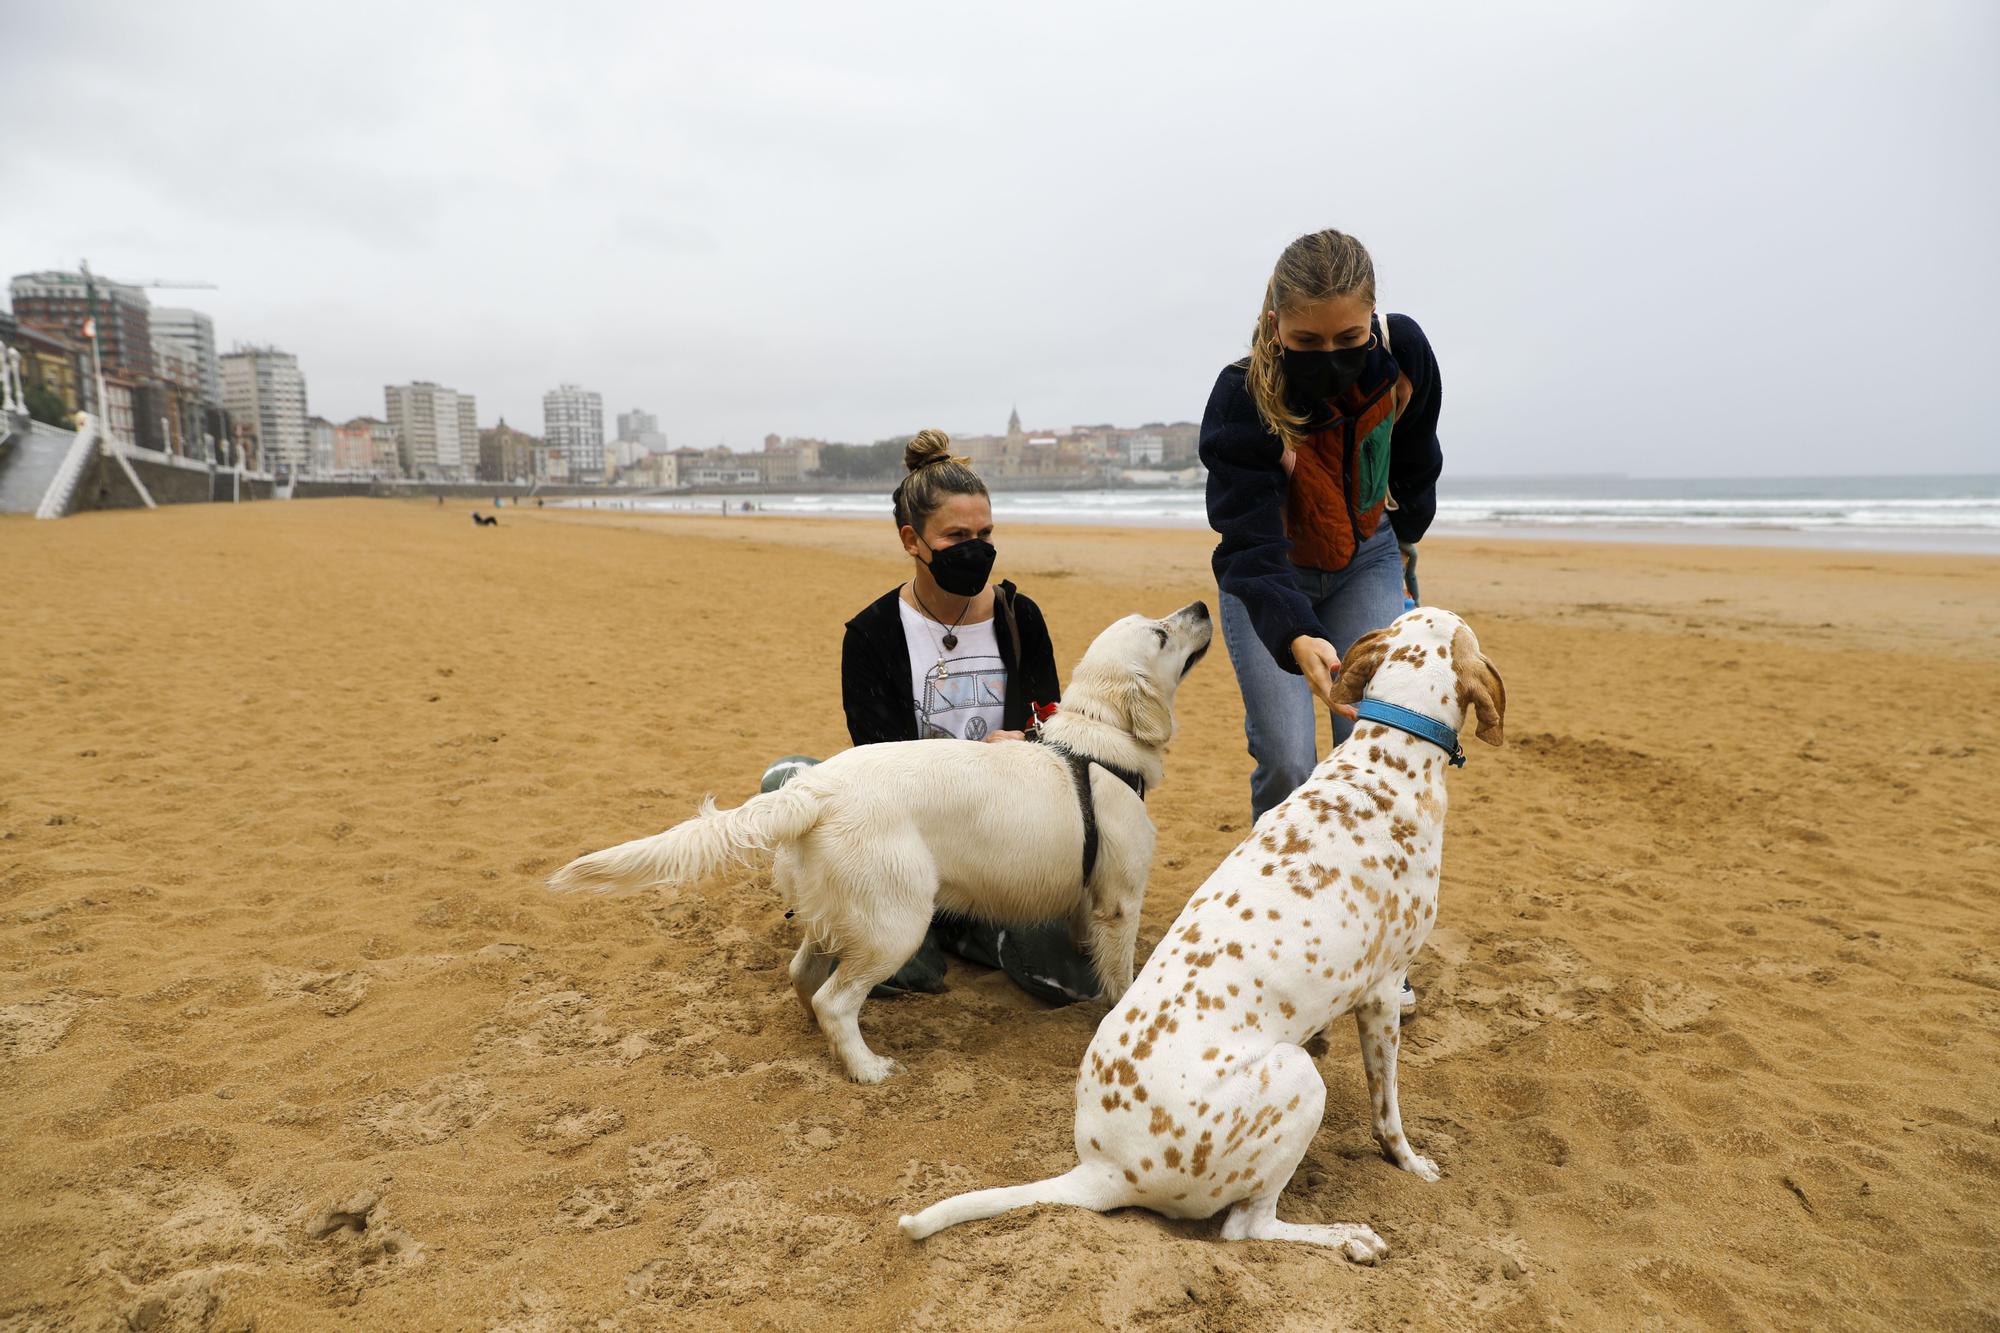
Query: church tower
[1014, 422]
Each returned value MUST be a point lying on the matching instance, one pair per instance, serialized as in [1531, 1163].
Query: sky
[1700, 239]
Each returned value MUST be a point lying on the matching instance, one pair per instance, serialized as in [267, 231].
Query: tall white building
[437, 430]
[263, 389]
[573, 424]
[193, 333]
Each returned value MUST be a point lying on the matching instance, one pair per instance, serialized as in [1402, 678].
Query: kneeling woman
[946, 655]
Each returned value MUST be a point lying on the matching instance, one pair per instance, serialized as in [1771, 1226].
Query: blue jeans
[1279, 716]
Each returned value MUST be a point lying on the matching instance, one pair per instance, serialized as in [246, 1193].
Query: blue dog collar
[1424, 728]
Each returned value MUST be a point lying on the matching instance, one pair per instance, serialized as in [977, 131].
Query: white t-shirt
[959, 693]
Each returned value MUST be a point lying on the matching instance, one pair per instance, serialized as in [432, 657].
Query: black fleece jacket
[875, 686]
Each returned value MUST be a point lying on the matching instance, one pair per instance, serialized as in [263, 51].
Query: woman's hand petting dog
[1319, 662]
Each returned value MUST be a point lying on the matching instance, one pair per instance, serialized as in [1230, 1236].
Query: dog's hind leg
[837, 1003]
[1379, 1023]
[875, 929]
[810, 968]
[1285, 1088]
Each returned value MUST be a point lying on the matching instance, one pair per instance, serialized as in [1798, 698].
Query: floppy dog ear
[1480, 688]
[1147, 715]
[1358, 666]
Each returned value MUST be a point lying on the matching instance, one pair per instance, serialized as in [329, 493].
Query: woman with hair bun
[947, 654]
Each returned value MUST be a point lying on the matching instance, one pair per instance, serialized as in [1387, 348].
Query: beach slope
[293, 1035]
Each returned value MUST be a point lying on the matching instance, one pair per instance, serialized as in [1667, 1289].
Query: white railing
[62, 487]
[13, 394]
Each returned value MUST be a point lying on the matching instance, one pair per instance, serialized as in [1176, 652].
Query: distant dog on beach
[1197, 1094]
[870, 842]
[485, 520]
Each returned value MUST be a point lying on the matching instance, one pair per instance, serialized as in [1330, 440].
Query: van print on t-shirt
[963, 699]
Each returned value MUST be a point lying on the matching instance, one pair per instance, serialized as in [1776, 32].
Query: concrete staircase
[31, 466]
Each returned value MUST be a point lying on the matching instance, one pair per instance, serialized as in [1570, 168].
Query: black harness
[1079, 773]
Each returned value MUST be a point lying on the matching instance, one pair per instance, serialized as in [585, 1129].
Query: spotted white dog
[1197, 1094]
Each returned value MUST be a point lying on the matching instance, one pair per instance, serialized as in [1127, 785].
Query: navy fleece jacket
[1246, 489]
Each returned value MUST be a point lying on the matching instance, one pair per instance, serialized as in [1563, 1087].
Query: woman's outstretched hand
[1318, 661]
[1006, 736]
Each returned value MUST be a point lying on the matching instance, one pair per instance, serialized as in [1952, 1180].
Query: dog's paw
[1423, 1168]
[1363, 1246]
[873, 1069]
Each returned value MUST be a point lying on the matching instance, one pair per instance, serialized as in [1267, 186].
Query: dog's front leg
[1114, 940]
[1380, 1027]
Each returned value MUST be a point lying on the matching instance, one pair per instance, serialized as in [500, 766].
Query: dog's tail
[711, 842]
[1088, 1185]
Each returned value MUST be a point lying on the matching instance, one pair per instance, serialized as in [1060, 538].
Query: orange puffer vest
[1340, 481]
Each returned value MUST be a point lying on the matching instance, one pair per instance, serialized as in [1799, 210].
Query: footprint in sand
[571, 1128]
[35, 1026]
[653, 1170]
[667, 1166]
[746, 1217]
[358, 1243]
[1673, 1006]
[811, 1136]
[429, 1113]
[596, 1208]
[332, 993]
[563, 1025]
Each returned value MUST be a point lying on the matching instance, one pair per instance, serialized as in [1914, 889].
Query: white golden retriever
[870, 842]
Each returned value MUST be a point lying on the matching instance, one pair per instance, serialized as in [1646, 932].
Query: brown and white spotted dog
[1197, 1094]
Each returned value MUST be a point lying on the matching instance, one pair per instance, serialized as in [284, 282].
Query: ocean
[1917, 513]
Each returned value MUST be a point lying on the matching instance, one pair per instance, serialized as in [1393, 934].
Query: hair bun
[926, 447]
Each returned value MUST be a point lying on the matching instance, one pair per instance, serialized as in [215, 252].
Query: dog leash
[1416, 724]
[1079, 775]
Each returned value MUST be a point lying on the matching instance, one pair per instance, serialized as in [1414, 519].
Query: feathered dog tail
[713, 841]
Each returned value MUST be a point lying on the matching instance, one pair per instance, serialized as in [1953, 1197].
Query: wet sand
[293, 1037]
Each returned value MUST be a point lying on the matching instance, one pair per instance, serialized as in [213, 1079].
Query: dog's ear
[1147, 714]
[1480, 689]
[1358, 666]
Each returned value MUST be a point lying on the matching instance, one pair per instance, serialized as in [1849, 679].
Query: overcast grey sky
[1716, 239]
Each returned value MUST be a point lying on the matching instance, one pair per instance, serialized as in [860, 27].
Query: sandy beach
[294, 1037]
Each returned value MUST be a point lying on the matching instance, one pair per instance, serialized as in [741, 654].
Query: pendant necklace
[951, 630]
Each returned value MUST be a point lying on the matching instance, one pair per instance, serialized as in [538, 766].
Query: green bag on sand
[784, 770]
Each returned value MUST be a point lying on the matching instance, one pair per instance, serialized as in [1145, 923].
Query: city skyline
[1613, 222]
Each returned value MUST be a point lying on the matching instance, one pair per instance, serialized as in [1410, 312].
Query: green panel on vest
[1371, 472]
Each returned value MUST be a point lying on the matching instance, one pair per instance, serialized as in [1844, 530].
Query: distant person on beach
[1323, 460]
[948, 655]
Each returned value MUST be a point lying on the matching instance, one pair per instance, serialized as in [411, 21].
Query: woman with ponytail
[946, 654]
[1323, 460]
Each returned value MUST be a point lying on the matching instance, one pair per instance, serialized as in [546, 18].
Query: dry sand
[292, 1035]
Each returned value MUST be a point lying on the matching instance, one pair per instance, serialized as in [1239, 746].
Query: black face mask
[1317, 377]
[961, 570]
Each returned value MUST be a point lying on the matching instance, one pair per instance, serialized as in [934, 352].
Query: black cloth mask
[961, 570]
[1319, 377]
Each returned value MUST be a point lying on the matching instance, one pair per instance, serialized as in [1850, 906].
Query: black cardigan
[1246, 489]
[875, 685]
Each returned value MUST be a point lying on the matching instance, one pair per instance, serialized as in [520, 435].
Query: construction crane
[107, 441]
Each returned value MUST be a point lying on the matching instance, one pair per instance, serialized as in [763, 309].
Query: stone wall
[104, 485]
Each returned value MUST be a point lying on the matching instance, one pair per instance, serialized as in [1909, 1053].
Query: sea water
[1945, 513]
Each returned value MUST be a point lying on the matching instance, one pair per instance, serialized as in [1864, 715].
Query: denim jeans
[1279, 713]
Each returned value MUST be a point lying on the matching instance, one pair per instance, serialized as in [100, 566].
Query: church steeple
[1014, 422]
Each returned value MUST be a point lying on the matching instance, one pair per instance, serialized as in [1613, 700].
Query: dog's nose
[1198, 610]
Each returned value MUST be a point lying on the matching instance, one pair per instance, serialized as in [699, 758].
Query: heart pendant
[950, 642]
